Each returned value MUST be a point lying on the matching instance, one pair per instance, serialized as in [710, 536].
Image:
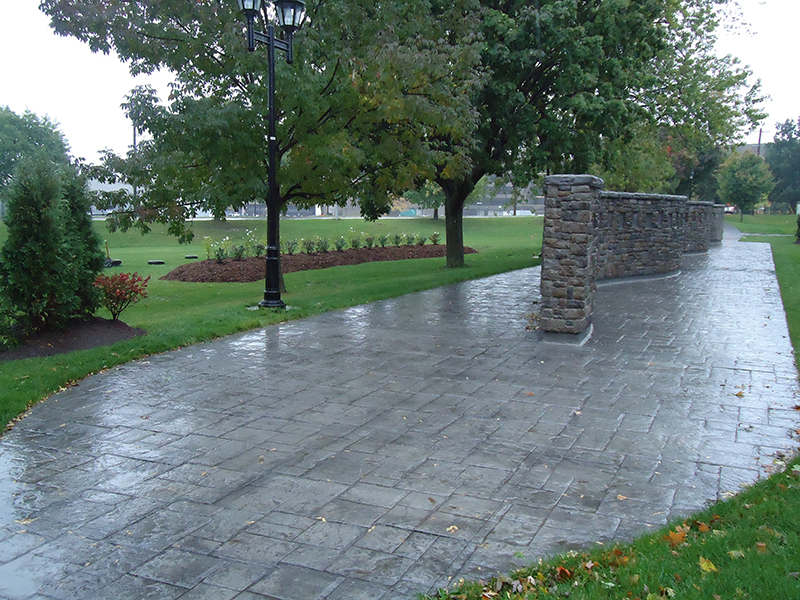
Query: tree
[429, 195]
[698, 104]
[371, 84]
[85, 256]
[783, 157]
[23, 136]
[559, 79]
[35, 277]
[744, 180]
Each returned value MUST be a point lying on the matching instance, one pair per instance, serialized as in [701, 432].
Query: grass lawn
[747, 547]
[177, 314]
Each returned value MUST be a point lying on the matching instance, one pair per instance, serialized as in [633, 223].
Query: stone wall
[639, 234]
[591, 235]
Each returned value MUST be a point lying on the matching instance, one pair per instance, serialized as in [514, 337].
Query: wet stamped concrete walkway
[392, 448]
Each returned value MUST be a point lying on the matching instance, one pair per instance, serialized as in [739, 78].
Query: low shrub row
[226, 248]
[356, 241]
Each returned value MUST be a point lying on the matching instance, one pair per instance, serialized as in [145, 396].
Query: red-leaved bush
[121, 290]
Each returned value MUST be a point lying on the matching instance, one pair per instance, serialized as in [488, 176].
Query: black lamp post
[290, 15]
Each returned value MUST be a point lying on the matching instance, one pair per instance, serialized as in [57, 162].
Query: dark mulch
[252, 269]
[81, 335]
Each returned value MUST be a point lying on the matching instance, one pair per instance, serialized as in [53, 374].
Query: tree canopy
[744, 181]
[369, 85]
[24, 136]
[697, 102]
[560, 79]
[783, 157]
[385, 96]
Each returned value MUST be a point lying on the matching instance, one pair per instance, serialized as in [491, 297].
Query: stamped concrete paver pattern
[392, 448]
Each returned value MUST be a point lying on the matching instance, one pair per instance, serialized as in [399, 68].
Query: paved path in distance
[392, 448]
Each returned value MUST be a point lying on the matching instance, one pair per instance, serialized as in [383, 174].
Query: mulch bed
[252, 269]
[81, 335]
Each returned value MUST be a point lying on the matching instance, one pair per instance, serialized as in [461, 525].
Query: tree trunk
[454, 233]
[455, 194]
[435, 213]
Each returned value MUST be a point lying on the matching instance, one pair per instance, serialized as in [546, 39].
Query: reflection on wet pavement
[391, 448]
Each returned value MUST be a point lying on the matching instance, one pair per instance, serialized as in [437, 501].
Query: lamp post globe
[250, 6]
[290, 14]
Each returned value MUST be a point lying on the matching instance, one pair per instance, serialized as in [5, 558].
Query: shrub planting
[289, 246]
[120, 290]
[50, 256]
[340, 243]
[308, 246]
[237, 252]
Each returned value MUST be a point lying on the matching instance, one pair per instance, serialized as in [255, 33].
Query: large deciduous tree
[371, 85]
[560, 77]
[744, 181]
[698, 104]
[783, 156]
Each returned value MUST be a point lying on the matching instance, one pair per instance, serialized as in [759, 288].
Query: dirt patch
[81, 335]
[252, 269]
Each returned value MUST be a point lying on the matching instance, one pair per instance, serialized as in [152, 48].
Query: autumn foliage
[121, 290]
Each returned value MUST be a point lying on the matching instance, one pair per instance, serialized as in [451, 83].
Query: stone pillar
[718, 227]
[569, 279]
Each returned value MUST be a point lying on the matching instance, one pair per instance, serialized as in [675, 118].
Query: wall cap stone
[574, 180]
[638, 196]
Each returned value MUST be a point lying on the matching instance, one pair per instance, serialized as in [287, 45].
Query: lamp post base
[272, 303]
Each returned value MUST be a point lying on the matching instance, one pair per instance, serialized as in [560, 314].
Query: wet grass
[178, 314]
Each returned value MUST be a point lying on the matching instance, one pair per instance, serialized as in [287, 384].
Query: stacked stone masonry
[590, 235]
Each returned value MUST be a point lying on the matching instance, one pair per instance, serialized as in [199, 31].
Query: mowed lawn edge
[179, 314]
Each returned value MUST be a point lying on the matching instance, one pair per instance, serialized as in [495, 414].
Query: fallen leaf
[676, 538]
[621, 497]
[529, 394]
[739, 394]
[452, 529]
[706, 565]
[761, 547]
[562, 573]
[703, 527]
[736, 554]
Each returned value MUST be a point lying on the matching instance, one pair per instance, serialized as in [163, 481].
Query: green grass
[177, 314]
[766, 224]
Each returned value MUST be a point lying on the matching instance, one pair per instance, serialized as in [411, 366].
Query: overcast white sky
[61, 78]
